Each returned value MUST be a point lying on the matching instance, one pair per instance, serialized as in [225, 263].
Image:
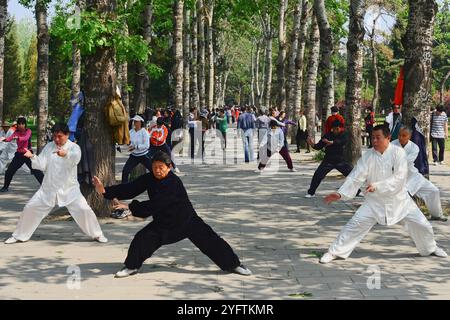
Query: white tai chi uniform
[7, 151]
[417, 184]
[59, 187]
[388, 204]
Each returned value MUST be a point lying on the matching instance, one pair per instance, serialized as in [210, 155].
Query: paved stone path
[276, 232]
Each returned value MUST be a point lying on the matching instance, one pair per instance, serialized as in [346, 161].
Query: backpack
[115, 113]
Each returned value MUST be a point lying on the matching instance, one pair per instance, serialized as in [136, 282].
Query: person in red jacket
[158, 137]
[334, 116]
[23, 139]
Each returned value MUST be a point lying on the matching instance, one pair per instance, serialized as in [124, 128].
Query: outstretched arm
[123, 191]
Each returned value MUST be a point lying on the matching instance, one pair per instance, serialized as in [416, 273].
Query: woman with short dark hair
[23, 139]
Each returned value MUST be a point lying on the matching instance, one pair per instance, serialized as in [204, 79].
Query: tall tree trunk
[76, 61]
[281, 89]
[100, 88]
[195, 98]
[209, 16]
[354, 79]
[142, 79]
[186, 65]
[326, 97]
[252, 73]
[299, 60]
[258, 85]
[201, 53]
[418, 41]
[3, 16]
[123, 78]
[291, 88]
[42, 64]
[442, 88]
[178, 44]
[311, 78]
[376, 89]
[268, 37]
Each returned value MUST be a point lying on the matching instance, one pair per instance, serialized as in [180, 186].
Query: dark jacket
[169, 203]
[335, 152]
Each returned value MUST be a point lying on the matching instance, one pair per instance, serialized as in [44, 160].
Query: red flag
[398, 96]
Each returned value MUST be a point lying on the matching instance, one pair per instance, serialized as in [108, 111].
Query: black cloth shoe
[4, 189]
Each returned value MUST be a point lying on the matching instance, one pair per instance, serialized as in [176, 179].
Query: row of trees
[204, 53]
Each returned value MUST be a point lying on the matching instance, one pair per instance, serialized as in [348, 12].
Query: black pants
[301, 137]
[323, 169]
[18, 161]
[435, 142]
[164, 148]
[369, 130]
[152, 237]
[132, 162]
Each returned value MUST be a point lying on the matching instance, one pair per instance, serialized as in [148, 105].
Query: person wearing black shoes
[23, 139]
[174, 218]
[334, 143]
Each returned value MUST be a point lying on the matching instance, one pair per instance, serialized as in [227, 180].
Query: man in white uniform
[384, 170]
[58, 160]
[417, 184]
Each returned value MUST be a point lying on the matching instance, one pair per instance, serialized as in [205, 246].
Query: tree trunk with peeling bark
[178, 45]
[186, 65]
[42, 65]
[195, 98]
[281, 60]
[201, 54]
[100, 85]
[418, 42]
[326, 68]
[3, 17]
[311, 78]
[354, 80]
[209, 16]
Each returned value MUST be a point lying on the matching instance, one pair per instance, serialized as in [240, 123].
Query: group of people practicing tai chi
[385, 174]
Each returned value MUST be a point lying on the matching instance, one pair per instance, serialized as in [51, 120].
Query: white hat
[137, 118]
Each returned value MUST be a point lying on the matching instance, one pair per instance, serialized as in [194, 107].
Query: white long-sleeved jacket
[415, 180]
[387, 172]
[140, 140]
[60, 185]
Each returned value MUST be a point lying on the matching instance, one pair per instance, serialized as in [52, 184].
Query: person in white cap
[58, 160]
[139, 144]
[417, 184]
[384, 170]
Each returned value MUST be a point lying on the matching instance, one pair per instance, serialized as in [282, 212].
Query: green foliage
[95, 30]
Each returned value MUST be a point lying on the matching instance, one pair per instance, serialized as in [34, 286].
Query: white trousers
[36, 210]
[415, 223]
[430, 194]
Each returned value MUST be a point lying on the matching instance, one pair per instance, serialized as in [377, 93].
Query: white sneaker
[441, 163]
[435, 163]
[258, 171]
[327, 257]
[293, 170]
[242, 270]
[439, 252]
[176, 170]
[11, 240]
[125, 272]
[309, 195]
[101, 239]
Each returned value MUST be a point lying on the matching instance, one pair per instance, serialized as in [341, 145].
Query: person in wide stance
[416, 183]
[174, 218]
[384, 170]
[58, 160]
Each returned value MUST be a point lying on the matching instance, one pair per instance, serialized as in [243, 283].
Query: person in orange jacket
[158, 136]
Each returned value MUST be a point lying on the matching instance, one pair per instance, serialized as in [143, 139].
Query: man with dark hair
[58, 160]
[331, 119]
[394, 121]
[438, 133]
[333, 143]
[383, 170]
[246, 123]
[174, 218]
